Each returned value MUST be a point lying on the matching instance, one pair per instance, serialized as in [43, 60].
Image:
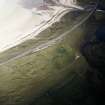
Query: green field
[33, 77]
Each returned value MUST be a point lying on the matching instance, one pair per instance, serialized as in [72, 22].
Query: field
[55, 75]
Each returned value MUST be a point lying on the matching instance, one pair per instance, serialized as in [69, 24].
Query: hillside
[51, 68]
[26, 73]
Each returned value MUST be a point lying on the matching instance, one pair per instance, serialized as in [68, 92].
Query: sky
[30, 3]
[15, 21]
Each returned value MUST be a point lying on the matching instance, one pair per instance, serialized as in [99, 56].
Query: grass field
[24, 79]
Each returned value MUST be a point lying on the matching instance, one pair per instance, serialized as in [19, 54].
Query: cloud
[30, 3]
